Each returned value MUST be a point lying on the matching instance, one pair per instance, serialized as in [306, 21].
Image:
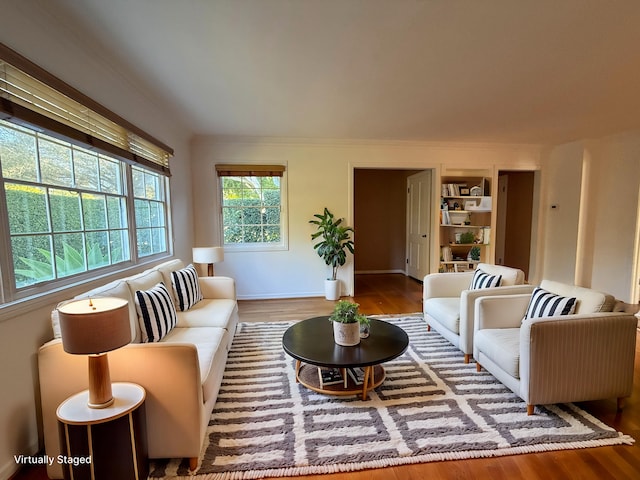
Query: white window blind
[32, 95]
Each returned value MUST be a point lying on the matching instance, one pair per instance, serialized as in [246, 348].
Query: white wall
[590, 239]
[319, 174]
[561, 179]
[614, 184]
[47, 38]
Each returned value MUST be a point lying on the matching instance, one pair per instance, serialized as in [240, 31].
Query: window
[67, 207]
[149, 201]
[81, 189]
[253, 211]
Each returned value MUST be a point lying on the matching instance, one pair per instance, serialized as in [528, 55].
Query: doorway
[380, 220]
[514, 222]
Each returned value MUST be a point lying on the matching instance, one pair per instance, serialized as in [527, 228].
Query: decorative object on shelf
[474, 254]
[208, 255]
[94, 327]
[335, 240]
[476, 191]
[467, 238]
[347, 320]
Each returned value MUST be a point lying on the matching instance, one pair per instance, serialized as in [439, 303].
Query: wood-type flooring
[389, 294]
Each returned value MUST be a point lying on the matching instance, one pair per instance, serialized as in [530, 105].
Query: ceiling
[526, 71]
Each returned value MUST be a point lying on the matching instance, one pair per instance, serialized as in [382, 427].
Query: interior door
[419, 224]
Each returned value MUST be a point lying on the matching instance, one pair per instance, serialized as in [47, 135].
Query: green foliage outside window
[251, 210]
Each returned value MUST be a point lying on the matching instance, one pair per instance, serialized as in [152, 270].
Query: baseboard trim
[10, 468]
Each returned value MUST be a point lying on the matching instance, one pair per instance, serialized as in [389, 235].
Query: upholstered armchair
[570, 348]
[448, 301]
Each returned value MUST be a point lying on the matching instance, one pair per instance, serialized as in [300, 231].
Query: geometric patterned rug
[431, 407]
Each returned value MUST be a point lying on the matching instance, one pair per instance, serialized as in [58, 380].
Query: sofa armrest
[440, 285]
[577, 357]
[500, 311]
[218, 287]
[467, 309]
[170, 374]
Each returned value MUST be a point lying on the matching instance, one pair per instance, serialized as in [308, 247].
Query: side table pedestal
[108, 443]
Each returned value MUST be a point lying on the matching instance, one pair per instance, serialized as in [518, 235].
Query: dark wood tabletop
[311, 341]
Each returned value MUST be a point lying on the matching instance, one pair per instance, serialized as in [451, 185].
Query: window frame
[249, 171]
[33, 98]
[10, 292]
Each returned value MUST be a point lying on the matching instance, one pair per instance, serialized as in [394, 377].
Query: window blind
[232, 170]
[30, 94]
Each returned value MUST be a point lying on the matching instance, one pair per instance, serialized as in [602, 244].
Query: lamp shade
[94, 325]
[208, 254]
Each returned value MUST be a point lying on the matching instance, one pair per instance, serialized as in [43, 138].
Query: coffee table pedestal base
[307, 375]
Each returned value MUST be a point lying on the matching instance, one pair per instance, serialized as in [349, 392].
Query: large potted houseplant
[335, 240]
[346, 320]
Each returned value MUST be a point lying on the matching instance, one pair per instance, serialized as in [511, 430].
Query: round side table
[104, 443]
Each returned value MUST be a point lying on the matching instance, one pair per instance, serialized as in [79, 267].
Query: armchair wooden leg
[467, 357]
[530, 409]
[620, 403]
[478, 367]
[193, 464]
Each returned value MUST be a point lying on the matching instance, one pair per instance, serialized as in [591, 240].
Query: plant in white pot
[335, 240]
[346, 320]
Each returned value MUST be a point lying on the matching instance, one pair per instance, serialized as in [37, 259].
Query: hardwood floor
[388, 294]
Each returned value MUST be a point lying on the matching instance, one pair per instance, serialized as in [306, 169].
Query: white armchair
[584, 356]
[448, 302]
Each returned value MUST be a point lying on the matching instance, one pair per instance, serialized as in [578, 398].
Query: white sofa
[181, 373]
[448, 302]
[588, 355]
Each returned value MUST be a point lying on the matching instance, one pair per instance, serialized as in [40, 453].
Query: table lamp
[93, 327]
[208, 255]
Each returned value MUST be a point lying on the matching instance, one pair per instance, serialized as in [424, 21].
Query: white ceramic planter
[346, 334]
[332, 289]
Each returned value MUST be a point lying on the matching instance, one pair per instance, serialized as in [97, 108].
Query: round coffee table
[311, 342]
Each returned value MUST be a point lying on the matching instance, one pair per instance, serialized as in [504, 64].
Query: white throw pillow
[156, 313]
[546, 304]
[186, 287]
[484, 280]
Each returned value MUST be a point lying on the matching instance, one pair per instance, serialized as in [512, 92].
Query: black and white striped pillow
[484, 280]
[186, 287]
[546, 304]
[156, 312]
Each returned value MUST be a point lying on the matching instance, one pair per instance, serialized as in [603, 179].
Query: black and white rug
[431, 407]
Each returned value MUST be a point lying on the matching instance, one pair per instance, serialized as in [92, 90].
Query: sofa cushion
[588, 301]
[446, 311]
[210, 344]
[546, 304]
[208, 313]
[501, 346]
[482, 279]
[156, 312]
[510, 275]
[186, 289]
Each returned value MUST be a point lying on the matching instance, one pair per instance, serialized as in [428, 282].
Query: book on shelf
[356, 374]
[329, 376]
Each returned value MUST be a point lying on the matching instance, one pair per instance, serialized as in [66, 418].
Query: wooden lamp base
[100, 394]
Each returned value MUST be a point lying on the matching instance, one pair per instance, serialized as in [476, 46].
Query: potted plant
[474, 253]
[335, 240]
[347, 320]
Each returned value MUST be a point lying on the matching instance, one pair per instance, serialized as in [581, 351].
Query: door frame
[420, 165]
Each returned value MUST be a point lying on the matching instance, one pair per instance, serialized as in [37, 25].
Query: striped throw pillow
[546, 304]
[484, 280]
[186, 287]
[156, 313]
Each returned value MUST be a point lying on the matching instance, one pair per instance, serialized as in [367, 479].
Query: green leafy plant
[467, 237]
[335, 240]
[348, 312]
[474, 253]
